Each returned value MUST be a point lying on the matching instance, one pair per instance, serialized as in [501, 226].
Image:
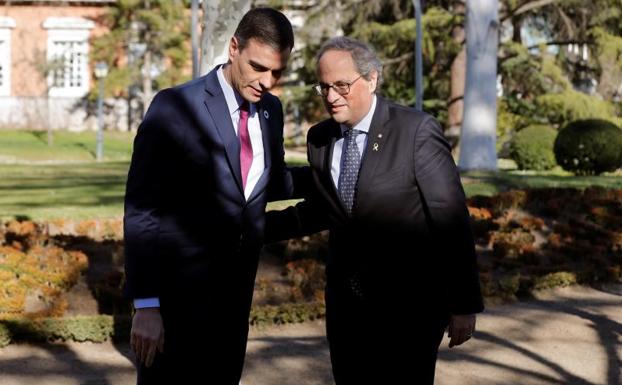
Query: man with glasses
[402, 265]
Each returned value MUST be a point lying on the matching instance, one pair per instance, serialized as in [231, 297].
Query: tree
[146, 49]
[479, 129]
[455, 104]
[579, 49]
[220, 19]
[389, 26]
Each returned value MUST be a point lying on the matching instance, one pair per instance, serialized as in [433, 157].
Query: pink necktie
[246, 148]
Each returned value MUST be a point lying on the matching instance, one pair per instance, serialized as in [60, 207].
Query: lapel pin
[375, 147]
[266, 114]
[380, 135]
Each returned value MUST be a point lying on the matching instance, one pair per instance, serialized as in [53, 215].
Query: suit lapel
[378, 133]
[217, 108]
[266, 121]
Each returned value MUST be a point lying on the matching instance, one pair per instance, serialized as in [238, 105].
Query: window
[68, 60]
[68, 64]
[6, 24]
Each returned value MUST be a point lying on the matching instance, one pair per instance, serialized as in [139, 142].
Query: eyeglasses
[342, 88]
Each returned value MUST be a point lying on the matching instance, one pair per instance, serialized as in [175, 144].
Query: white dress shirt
[234, 101]
[361, 141]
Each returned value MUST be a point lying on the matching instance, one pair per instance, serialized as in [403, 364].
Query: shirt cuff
[140, 303]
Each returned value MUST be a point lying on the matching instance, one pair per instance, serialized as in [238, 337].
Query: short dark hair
[268, 26]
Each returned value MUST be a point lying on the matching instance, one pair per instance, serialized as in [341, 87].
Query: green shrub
[287, 313]
[588, 147]
[5, 336]
[532, 148]
[80, 328]
[557, 279]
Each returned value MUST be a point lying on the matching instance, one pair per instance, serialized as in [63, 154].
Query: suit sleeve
[286, 182]
[306, 217]
[439, 182]
[143, 264]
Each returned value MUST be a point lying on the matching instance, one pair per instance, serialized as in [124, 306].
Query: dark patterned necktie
[348, 175]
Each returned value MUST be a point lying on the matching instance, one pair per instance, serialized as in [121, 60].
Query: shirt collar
[365, 123]
[232, 97]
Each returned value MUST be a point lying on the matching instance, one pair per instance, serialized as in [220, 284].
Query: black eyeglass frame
[342, 88]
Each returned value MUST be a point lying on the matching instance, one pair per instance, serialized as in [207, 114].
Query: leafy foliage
[162, 29]
[532, 148]
[588, 147]
[542, 82]
[580, 235]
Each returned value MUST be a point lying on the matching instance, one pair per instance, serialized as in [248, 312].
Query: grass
[70, 191]
[95, 190]
[43, 182]
[489, 183]
[31, 146]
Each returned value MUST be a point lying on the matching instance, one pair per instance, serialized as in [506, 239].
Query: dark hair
[268, 26]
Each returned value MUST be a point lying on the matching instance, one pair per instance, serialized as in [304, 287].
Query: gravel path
[569, 336]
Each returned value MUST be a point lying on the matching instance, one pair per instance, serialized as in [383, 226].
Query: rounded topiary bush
[588, 147]
[532, 148]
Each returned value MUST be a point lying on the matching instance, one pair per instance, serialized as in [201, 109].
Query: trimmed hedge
[532, 148]
[588, 147]
[100, 328]
[80, 328]
[287, 313]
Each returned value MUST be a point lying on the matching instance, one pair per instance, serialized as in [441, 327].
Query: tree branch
[398, 59]
[525, 7]
[567, 22]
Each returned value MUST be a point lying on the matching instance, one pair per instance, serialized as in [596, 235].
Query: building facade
[45, 72]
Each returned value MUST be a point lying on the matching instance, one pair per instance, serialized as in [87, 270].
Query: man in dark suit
[207, 157]
[401, 265]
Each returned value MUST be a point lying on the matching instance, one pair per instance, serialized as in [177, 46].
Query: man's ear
[234, 48]
[373, 81]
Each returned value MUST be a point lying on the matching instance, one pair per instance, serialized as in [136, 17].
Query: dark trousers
[380, 341]
[203, 345]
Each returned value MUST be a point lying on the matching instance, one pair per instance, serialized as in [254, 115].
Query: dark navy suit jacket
[185, 203]
[409, 232]
[191, 237]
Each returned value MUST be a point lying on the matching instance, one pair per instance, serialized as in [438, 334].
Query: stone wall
[73, 114]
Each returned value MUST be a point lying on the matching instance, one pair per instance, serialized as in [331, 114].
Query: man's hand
[147, 334]
[460, 329]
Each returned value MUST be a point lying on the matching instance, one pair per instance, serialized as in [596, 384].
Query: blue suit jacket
[187, 223]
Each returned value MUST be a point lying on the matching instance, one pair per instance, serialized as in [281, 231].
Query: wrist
[148, 310]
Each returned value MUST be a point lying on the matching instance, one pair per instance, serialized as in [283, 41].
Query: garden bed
[63, 279]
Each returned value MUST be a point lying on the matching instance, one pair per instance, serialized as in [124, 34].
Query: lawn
[95, 190]
[63, 181]
[31, 146]
[71, 191]
[491, 183]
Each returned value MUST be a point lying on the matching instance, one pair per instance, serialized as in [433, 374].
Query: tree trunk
[479, 126]
[146, 72]
[220, 19]
[48, 121]
[517, 25]
[146, 75]
[457, 78]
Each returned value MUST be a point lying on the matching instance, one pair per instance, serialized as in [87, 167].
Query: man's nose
[332, 95]
[267, 80]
